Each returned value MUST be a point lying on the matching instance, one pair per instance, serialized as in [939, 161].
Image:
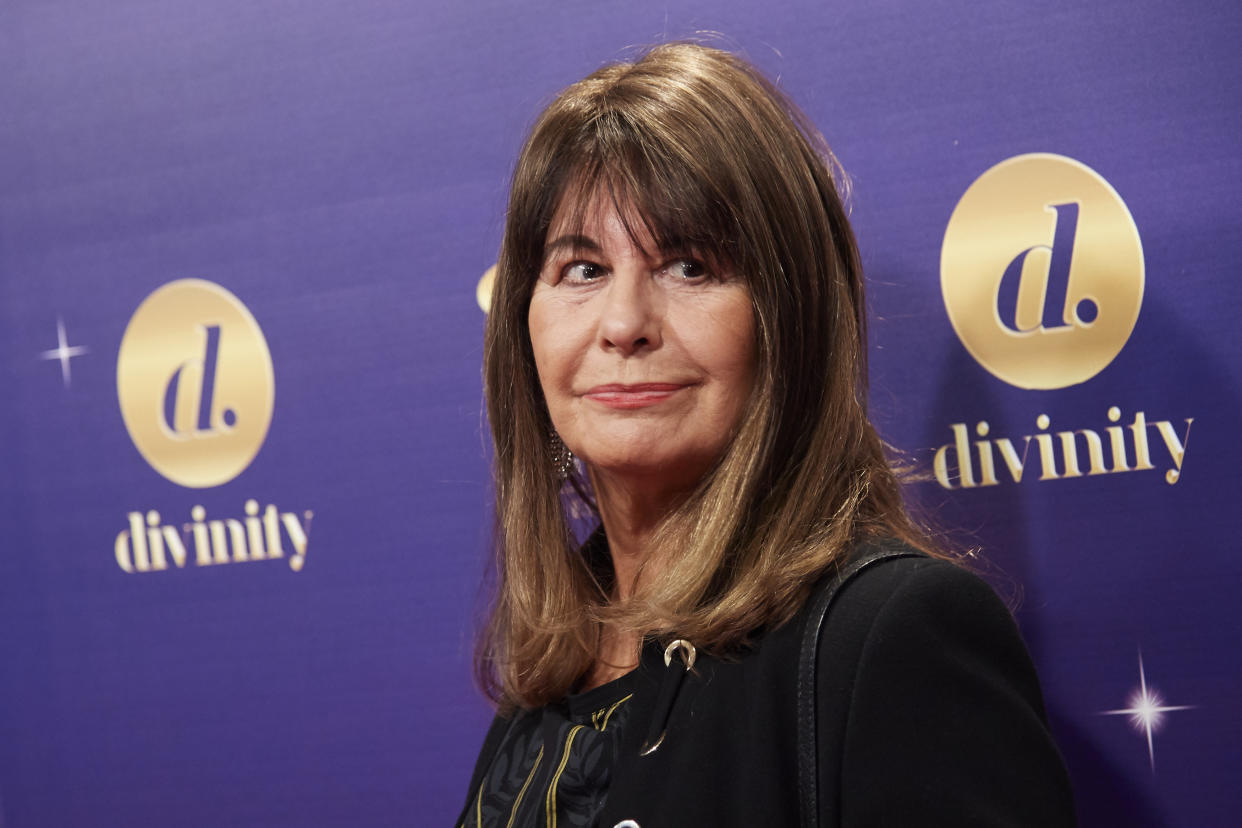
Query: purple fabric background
[342, 169]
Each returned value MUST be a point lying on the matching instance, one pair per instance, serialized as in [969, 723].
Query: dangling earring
[562, 457]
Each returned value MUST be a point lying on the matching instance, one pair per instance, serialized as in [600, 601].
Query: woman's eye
[687, 269]
[582, 272]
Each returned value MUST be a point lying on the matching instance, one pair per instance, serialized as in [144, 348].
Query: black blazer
[929, 713]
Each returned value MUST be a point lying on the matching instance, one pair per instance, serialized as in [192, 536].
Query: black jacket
[929, 713]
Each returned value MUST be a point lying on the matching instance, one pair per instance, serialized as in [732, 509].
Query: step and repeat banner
[244, 507]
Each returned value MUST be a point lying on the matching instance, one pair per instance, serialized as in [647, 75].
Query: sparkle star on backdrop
[1146, 711]
[63, 351]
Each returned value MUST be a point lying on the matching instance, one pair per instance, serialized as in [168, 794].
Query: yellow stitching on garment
[550, 803]
[613, 708]
[478, 806]
[517, 802]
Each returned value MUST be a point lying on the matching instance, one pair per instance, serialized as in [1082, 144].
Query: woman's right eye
[580, 272]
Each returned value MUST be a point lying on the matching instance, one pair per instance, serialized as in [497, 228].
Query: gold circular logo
[1042, 271]
[194, 378]
[483, 291]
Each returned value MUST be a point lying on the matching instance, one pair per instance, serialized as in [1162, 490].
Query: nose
[630, 320]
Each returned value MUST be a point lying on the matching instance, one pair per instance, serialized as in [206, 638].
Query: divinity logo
[196, 388]
[1042, 275]
[149, 545]
[1042, 271]
[195, 383]
[1074, 452]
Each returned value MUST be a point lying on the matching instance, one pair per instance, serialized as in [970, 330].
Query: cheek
[548, 343]
[731, 346]
[742, 346]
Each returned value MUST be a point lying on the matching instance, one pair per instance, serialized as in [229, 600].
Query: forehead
[596, 207]
[587, 220]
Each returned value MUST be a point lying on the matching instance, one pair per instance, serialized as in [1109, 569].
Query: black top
[929, 713]
[555, 760]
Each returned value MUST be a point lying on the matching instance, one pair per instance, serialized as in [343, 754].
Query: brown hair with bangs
[713, 158]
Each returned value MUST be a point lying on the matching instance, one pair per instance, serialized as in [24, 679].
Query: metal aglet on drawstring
[669, 685]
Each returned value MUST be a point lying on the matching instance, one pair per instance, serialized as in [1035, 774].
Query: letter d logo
[195, 384]
[1042, 271]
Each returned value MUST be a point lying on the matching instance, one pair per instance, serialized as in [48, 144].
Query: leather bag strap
[808, 756]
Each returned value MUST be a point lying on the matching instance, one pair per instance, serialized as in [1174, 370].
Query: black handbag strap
[808, 770]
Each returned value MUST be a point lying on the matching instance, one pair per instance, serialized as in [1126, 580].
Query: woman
[679, 306]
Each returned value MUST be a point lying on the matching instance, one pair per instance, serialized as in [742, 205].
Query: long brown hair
[711, 157]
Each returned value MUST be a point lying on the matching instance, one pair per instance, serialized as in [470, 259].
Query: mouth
[641, 395]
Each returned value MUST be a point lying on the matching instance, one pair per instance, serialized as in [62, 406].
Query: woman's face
[646, 359]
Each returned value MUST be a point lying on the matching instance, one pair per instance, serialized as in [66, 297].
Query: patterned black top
[555, 764]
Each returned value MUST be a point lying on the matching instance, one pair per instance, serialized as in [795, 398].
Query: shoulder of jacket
[893, 609]
[910, 584]
[891, 593]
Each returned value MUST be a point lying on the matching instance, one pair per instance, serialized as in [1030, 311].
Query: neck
[618, 654]
[631, 510]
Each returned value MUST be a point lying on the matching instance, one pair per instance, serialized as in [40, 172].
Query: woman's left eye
[687, 269]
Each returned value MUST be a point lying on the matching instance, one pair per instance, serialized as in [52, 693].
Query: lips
[640, 395]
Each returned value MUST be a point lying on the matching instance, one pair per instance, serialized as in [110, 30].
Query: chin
[653, 464]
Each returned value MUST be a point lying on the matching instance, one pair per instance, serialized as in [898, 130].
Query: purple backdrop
[341, 170]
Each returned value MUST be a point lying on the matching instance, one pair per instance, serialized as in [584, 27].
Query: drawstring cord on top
[670, 684]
